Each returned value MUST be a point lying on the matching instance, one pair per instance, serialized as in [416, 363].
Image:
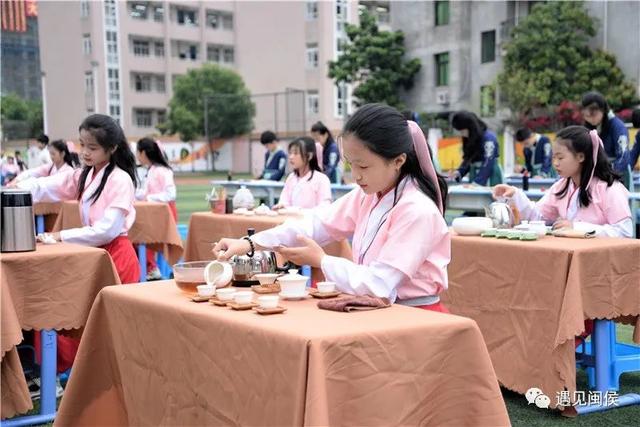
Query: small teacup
[225, 294]
[268, 301]
[243, 297]
[326, 287]
[206, 290]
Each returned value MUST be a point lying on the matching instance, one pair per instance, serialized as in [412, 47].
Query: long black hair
[69, 158]
[153, 152]
[109, 135]
[472, 149]
[306, 146]
[577, 140]
[322, 130]
[384, 131]
[595, 100]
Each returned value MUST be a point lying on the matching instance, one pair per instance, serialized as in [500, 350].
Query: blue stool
[182, 231]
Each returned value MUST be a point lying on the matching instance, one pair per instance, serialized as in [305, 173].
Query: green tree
[20, 118]
[375, 61]
[230, 110]
[549, 60]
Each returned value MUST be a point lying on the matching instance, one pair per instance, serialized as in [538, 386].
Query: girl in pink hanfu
[590, 198]
[158, 186]
[401, 243]
[105, 189]
[306, 187]
[62, 160]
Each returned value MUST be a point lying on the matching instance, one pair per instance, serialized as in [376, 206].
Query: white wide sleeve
[102, 232]
[623, 228]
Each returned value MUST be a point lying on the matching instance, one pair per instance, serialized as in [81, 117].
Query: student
[9, 170]
[105, 189]
[39, 155]
[306, 187]
[480, 150]
[588, 198]
[613, 133]
[275, 159]
[635, 151]
[401, 243]
[330, 151]
[158, 186]
[62, 160]
[537, 153]
[21, 164]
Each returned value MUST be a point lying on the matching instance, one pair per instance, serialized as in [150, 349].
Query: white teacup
[206, 290]
[268, 301]
[325, 287]
[243, 297]
[225, 294]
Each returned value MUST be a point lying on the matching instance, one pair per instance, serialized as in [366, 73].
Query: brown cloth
[51, 288]
[206, 228]
[354, 303]
[530, 300]
[150, 356]
[154, 226]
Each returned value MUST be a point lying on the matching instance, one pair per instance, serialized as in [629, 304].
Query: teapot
[245, 266]
[243, 198]
[501, 214]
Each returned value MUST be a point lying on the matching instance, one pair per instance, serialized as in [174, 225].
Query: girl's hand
[227, 248]
[562, 223]
[278, 206]
[503, 190]
[308, 253]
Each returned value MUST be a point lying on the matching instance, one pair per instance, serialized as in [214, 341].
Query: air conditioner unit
[442, 97]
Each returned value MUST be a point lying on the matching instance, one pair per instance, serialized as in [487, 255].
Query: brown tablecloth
[154, 227]
[51, 288]
[530, 300]
[206, 228]
[149, 356]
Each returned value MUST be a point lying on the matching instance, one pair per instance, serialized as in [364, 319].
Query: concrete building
[459, 44]
[121, 58]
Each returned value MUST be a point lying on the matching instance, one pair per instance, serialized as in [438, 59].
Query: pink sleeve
[285, 195]
[548, 204]
[323, 190]
[55, 188]
[120, 192]
[339, 218]
[617, 203]
[42, 170]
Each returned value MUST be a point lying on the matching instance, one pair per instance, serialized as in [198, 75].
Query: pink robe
[307, 191]
[400, 251]
[159, 185]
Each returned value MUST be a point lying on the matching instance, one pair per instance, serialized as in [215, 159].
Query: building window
[341, 100]
[312, 10]
[187, 17]
[228, 55]
[114, 112]
[382, 12]
[84, 8]
[162, 116]
[138, 10]
[313, 102]
[143, 117]
[160, 83]
[487, 101]
[88, 82]
[442, 13]
[213, 53]
[227, 21]
[86, 44]
[341, 10]
[340, 44]
[213, 19]
[488, 46]
[159, 49]
[158, 13]
[112, 47]
[186, 51]
[442, 69]
[114, 84]
[110, 18]
[141, 48]
[312, 55]
[142, 82]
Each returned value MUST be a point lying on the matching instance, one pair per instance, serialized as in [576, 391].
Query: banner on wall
[185, 157]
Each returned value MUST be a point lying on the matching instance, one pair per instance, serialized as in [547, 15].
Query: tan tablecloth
[154, 227]
[206, 228]
[51, 288]
[149, 356]
[530, 300]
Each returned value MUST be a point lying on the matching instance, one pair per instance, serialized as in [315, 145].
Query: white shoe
[154, 275]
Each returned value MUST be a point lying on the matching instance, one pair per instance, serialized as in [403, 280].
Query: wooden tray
[323, 295]
[267, 311]
[216, 301]
[266, 289]
[240, 307]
